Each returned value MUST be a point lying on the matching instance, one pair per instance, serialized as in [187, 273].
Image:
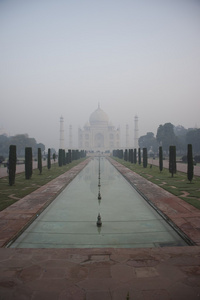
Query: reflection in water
[107, 174]
[99, 222]
[70, 221]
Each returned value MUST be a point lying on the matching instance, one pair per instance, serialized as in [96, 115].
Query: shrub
[135, 156]
[70, 155]
[139, 156]
[145, 159]
[184, 159]
[12, 164]
[49, 159]
[197, 158]
[60, 157]
[28, 163]
[172, 160]
[160, 159]
[190, 166]
[40, 160]
[126, 155]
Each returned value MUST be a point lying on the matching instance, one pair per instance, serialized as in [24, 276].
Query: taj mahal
[98, 134]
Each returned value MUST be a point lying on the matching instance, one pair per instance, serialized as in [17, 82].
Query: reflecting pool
[128, 221]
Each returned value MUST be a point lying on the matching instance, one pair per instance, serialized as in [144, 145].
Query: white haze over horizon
[62, 57]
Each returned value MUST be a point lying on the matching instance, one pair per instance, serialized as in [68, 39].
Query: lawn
[177, 185]
[11, 194]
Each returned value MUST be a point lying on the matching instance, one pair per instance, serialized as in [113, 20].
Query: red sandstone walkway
[100, 274]
[108, 274]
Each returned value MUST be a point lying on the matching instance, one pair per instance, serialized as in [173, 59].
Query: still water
[127, 219]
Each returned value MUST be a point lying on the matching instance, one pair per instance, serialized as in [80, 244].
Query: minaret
[62, 133]
[127, 136]
[136, 132]
[70, 137]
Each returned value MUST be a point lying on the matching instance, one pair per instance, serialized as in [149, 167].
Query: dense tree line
[167, 135]
[21, 141]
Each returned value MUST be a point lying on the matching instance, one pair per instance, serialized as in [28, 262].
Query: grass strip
[22, 187]
[177, 185]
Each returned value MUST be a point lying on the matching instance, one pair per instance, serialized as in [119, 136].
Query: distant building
[98, 134]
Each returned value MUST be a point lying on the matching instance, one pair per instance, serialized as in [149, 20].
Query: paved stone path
[96, 274]
[169, 273]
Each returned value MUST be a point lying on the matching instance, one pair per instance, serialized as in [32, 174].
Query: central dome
[98, 117]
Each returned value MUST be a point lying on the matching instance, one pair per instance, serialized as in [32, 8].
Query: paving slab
[55, 274]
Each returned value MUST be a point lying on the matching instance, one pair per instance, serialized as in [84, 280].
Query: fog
[64, 57]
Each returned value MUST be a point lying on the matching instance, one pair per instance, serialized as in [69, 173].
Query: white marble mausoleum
[99, 134]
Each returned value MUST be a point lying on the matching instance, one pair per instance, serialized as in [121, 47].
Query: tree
[70, 155]
[126, 155]
[180, 133]
[139, 156]
[160, 159]
[193, 137]
[166, 136]
[63, 158]
[145, 159]
[12, 164]
[28, 163]
[67, 157]
[135, 156]
[190, 166]
[172, 160]
[131, 155]
[40, 160]
[22, 141]
[4, 145]
[42, 146]
[148, 141]
[60, 157]
[49, 159]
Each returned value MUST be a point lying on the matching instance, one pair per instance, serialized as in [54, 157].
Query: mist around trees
[21, 141]
[168, 135]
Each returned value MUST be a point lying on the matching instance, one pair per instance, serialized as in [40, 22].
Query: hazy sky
[62, 57]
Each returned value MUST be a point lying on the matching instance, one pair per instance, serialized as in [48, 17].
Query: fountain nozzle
[99, 223]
